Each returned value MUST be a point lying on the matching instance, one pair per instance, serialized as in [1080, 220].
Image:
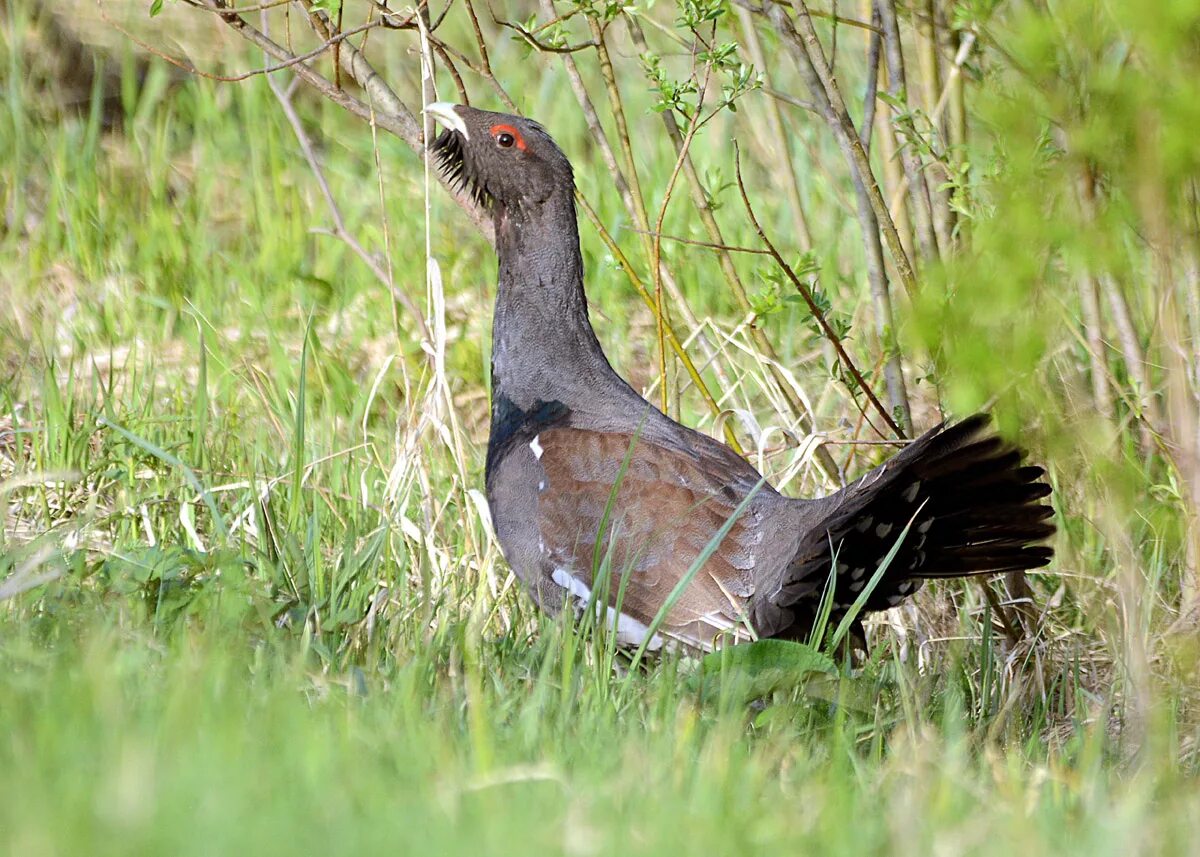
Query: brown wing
[667, 506]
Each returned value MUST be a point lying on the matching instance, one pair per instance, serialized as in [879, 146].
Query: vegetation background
[249, 600]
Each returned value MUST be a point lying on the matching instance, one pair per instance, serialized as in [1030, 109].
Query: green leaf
[155, 7]
[766, 300]
[764, 655]
[756, 669]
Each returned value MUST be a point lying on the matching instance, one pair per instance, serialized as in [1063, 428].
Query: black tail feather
[969, 506]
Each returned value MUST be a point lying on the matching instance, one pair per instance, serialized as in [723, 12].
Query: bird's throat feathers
[543, 346]
[551, 219]
[538, 249]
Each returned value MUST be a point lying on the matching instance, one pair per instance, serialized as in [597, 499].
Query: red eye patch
[501, 133]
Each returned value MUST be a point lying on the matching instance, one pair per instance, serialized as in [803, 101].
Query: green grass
[119, 743]
[259, 610]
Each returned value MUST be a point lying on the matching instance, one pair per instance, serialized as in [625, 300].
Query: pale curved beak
[447, 113]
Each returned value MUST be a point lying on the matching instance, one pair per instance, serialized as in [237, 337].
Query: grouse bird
[589, 484]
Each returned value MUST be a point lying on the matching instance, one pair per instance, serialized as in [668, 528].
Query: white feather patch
[630, 632]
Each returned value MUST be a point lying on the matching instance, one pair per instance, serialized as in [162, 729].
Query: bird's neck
[543, 346]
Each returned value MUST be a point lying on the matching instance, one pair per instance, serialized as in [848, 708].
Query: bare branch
[339, 224]
[873, 50]
[868, 207]
[782, 148]
[805, 42]
[733, 248]
[384, 108]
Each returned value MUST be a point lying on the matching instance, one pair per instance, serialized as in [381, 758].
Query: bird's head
[501, 160]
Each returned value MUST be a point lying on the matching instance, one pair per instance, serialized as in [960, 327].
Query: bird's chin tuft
[448, 150]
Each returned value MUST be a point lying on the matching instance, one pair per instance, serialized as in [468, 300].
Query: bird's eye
[506, 136]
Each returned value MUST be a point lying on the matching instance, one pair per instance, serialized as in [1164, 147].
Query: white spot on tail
[882, 530]
[910, 493]
[865, 524]
[536, 447]
[857, 573]
[630, 632]
[924, 526]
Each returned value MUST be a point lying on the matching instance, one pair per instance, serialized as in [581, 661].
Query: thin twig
[867, 212]
[534, 42]
[648, 299]
[931, 80]
[339, 224]
[781, 144]
[788, 98]
[238, 10]
[1089, 301]
[874, 46]
[617, 109]
[914, 175]
[816, 13]
[732, 248]
[291, 60]
[388, 112]
[816, 311]
[910, 158]
[694, 125]
[806, 41]
[799, 409]
[600, 138]
[1127, 335]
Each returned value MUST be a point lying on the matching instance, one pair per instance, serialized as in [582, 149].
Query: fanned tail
[970, 505]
